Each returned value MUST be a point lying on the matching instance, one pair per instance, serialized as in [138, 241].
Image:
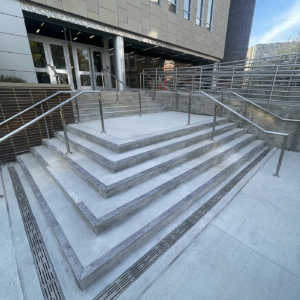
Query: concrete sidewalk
[250, 251]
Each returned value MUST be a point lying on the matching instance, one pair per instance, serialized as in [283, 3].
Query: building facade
[239, 29]
[81, 41]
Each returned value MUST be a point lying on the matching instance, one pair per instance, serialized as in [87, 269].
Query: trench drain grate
[50, 286]
[117, 287]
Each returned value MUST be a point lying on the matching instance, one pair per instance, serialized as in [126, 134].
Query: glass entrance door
[82, 62]
[58, 54]
[97, 63]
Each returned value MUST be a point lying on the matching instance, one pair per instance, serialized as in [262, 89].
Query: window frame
[158, 2]
[211, 15]
[190, 12]
[176, 7]
[201, 12]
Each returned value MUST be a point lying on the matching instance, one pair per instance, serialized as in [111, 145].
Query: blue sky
[274, 21]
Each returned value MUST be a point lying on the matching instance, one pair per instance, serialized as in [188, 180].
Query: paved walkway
[250, 251]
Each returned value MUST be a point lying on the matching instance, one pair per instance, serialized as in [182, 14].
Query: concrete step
[90, 255]
[101, 180]
[120, 147]
[116, 114]
[116, 108]
[117, 162]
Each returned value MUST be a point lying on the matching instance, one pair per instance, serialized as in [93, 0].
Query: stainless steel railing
[267, 111]
[285, 135]
[56, 74]
[45, 114]
[272, 79]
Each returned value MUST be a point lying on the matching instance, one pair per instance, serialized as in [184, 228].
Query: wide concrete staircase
[108, 199]
[127, 104]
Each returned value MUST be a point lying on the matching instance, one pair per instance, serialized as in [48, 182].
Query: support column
[119, 61]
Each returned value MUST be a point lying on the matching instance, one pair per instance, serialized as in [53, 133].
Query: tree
[292, 44]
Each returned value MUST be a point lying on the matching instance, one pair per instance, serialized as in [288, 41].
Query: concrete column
[119, 61]
[15, 54]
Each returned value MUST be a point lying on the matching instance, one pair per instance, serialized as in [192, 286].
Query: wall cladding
[149, 19]
[239, 29]
[14, 100]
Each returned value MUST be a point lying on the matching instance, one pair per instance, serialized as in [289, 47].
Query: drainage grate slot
[115, 289]
[49, 283]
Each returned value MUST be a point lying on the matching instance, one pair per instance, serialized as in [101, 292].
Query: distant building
[266, 50]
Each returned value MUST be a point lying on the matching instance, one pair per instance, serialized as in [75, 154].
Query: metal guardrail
[56, 74]
[45, 114]
[270, 79]
[267, 111]
[285, 135]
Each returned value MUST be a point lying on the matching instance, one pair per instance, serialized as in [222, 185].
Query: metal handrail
[43, 116]
[126, 87]
[56, 73]
[286, 135]
[282, 119]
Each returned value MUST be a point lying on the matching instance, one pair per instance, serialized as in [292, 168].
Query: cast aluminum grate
[115, 289]
[48, 280]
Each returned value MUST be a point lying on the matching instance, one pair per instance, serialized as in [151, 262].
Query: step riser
[90, 275]
[129, 183]
[133, 161]
[109, 191]
[145, 142]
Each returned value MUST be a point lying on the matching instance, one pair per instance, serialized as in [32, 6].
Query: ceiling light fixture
[75, 38]
[131, 52]
[78, 32]
[91, 36]
[38, 31]
[111, 49]
[128, 45]
[43, 24]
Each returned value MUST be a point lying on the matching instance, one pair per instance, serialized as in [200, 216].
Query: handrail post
[117, 91]
[46, 126]
[65, 130]
[245, 114]
[214, 125]
[153, 96]
[273, 83]
[231, 85]
[200, 80]
[190, 104]
[221, 109]
[140, 81]
[140, 102]
[177, 98]
[295, 137]
[103, 83]
[281, 155]
[77, 109]
[101, 113]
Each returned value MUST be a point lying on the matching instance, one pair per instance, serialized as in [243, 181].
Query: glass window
[43, 77]
[58, 57]
[172, 5]
[155, 1]
[210, 13]
[187, 9]
[97, 61]
[38, 54]
[99, 80]
[85, 80]
[83, 60]
[199, 13]
[64, 78]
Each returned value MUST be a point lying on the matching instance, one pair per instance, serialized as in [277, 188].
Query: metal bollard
[214, 125]
[153, 95]
[77, 109]
[140, 81]
[140, 102]
[281, 156]
[103, 83]
[117, 91]
[65, 130]
[101, 114]
[46, 125]
[221, 109]
[190, 104]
